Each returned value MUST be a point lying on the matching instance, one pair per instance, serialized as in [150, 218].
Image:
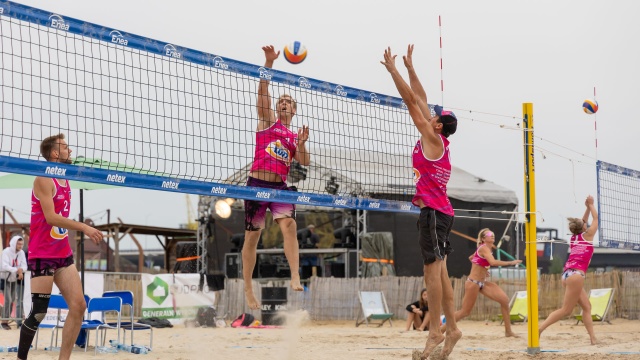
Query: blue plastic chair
[55, 302]
[102, 305]
[131, 325]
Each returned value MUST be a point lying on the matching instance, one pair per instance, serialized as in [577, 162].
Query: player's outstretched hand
[94, 234]
[408, 59]
[389, 60]
[270, 53]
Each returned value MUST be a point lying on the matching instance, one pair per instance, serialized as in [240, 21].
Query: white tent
[367, 172]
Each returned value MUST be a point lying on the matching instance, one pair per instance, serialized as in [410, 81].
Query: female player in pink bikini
[276, 147]
[575, 269]
[478, 281]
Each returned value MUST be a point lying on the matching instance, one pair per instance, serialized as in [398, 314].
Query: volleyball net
[618, 206]
[144, 113]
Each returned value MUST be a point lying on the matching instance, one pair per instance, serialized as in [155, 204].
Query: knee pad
[39, 306]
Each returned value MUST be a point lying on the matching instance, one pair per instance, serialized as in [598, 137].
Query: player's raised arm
[415, 83]
[411, 100]
[266, 116]
[591, 209]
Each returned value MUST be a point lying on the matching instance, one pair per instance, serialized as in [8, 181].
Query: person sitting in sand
[418, 313]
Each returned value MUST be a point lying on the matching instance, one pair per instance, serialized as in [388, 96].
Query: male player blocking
[432, 168]
[276, 147]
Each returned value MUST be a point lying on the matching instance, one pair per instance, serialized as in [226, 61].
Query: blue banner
[142, 181]
[178, 53]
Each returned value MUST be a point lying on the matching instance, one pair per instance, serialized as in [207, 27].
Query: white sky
[497, 55]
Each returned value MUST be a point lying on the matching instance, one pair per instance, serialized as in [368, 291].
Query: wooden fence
[337, 298]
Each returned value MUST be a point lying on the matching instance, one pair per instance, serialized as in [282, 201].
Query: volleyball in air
[590, 106]
[295, 52]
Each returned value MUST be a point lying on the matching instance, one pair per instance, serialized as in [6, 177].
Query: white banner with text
[175, 297]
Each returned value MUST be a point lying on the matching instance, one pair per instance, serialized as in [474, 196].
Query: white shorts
[569, 272]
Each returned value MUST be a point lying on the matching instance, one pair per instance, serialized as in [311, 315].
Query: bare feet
[252, 302]
[417, 355]
[432, 342]
[510, 334]
[594, 341]
[450, 341]
[295, 283]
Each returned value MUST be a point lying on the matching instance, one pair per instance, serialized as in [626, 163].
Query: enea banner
[174, 296]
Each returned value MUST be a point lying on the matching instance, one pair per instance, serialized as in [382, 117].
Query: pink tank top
[479, 260]
[48, 241]
[581, 253]
[431, 178]
[275, 149]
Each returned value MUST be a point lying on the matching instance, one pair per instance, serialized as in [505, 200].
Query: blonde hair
[481, 235]
[576, 225]
[294, 103]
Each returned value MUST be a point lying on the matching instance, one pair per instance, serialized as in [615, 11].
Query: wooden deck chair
[519, 309]
[373, 306]
[601, 300]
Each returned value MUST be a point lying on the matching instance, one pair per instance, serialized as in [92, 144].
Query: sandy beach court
[319, 340]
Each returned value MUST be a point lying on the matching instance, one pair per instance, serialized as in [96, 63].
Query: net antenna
[441, 65]
[595, 123]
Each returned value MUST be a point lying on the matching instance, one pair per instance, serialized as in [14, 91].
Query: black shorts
[48, 267]
[434, 228]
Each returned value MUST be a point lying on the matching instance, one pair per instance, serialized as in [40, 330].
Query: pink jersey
[48, 241]
[479, 260]
[275, 149]
[431, 178]
[581, 253]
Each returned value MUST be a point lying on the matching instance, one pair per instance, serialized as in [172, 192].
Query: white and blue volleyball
[295, 52]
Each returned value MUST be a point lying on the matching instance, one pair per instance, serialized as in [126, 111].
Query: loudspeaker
[337, 270]
[185, 250]
[233, 266]
[268, 270]
[352, 258]
[284, 273]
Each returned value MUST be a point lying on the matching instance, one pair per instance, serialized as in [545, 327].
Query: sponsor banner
[174, 296]
[174, 52]
[143, 181]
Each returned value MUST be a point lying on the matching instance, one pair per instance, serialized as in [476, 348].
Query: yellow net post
[533, 342]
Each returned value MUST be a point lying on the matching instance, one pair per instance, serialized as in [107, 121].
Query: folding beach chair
[519, 310]
[373, 306]
[600, 300]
